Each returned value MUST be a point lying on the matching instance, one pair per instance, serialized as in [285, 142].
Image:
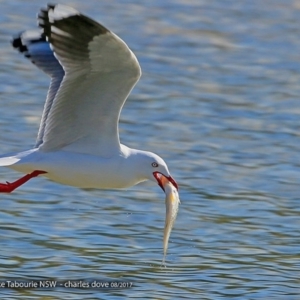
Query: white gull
[92, 73]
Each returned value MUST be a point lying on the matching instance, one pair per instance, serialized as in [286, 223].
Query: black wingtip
[51, 5]
[18, 44]
[21, 45]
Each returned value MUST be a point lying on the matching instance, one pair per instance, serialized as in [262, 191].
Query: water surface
[219, 101]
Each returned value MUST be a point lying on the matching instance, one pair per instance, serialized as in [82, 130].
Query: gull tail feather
[11, 159]
[8, 160]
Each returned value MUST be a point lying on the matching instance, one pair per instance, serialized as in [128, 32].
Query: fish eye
[154, 164]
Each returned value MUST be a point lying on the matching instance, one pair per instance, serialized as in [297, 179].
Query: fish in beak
[170, 187]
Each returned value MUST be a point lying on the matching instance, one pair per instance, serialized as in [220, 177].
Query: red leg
[8, 187]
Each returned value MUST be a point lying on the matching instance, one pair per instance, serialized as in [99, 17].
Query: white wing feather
[100, 71]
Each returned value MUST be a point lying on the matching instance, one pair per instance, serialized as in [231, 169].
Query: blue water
[219, 101]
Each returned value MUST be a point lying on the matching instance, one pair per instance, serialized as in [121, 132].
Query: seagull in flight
[92, 73]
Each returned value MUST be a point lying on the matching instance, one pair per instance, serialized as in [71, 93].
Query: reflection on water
[218, 100]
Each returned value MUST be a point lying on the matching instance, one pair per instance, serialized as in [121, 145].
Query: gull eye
[154, 164]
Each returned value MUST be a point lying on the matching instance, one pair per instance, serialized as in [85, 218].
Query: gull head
[152, 167]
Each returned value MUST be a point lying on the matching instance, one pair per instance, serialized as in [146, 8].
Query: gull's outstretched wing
[100, 71]
[33, 45]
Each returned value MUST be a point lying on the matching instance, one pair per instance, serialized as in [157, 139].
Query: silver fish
[172, 203]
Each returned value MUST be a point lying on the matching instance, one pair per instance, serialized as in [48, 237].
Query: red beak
[160, 178]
